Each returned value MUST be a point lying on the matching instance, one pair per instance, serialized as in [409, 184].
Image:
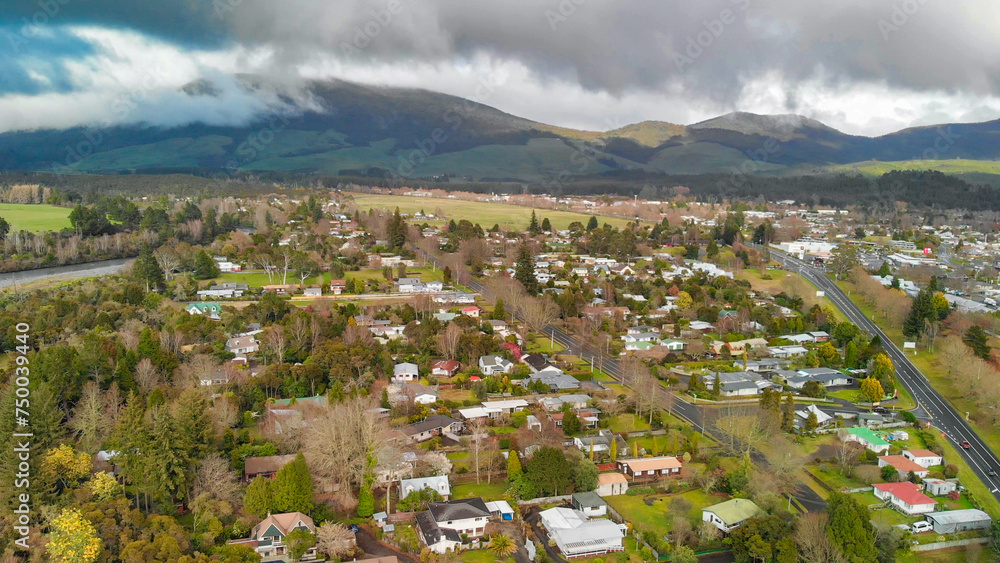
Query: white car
[919, 527]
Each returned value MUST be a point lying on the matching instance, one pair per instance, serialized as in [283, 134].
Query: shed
[590, 504]
[939, 487]
[501, 509]
[954, 521]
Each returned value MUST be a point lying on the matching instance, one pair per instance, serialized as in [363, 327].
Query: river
[76, 271]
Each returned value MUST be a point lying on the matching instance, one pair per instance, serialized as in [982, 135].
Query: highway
[943, 416]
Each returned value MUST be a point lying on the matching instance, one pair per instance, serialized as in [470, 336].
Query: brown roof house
[267, 537]
[266, 466]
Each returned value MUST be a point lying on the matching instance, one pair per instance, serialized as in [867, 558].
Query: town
[304, 377]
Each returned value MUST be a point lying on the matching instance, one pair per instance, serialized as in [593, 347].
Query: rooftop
[734, 511]
[906, 492]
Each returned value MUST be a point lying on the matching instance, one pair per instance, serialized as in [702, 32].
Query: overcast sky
[866, 67]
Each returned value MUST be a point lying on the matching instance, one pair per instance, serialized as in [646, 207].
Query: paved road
[979, 457]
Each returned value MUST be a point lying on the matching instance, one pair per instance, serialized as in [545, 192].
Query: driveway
[371, 546]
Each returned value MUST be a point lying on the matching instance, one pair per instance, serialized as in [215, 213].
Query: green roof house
[209, 308]
[866, 437]
[730, 514]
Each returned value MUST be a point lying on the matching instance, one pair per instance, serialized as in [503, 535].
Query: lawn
[628, 423]
[489, 491]
[35, 218]
[457, 395]
[543, 344]
[656, 516]
[486, 214]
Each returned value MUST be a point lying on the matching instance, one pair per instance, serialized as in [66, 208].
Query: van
[922, 526]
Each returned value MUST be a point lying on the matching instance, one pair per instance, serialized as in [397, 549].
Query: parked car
[919, 527]
[880, 410]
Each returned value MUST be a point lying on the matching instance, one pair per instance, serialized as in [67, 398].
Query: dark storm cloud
[709, 47]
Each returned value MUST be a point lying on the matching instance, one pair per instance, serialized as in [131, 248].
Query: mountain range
[354, 129]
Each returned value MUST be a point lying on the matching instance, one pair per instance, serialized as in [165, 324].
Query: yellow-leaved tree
[871, 389]
[62, 465]
[72, 538]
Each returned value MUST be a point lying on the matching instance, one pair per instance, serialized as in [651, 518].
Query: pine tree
[147, 271]
[884, 270]
[533, 228]
[592, 223]
[204, 267]
[546, 225]
[396, 232]
[976, 339]
[850, 528]
[788, 413]
[293, 487]
[524, 269]
[499, 311]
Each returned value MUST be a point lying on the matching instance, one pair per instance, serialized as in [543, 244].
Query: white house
[576, 536]
[590, 504]
[923, 458]
[441, 527]
[493, 365]
[438, 484]
[405, 372]
[905, 497]
[903, 465]
[243, 345]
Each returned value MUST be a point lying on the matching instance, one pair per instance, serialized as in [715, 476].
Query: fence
[947, 544]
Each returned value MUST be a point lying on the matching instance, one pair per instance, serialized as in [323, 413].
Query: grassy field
[486, 214]
[951, 166]
[35, 218]
[657, 516]
[489, 491]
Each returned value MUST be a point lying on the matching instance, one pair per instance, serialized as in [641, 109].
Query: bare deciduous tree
[216, 479]
[274, 342]
[813, 539]
[342, 444]
[335, 540]
[147, 377]
[448, 340]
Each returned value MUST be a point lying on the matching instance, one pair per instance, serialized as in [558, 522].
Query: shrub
[951, 471]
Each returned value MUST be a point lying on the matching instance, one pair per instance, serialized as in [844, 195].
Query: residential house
[820, 336]
[287, 414]
[673, 345]
[650, 467]
[226, 266]
[434, 425]
[228, 290]
[211, 309]
[600, 443]
[267, 537]
[866, 437]
[281, 289]
[554, 378]
[590, 504]
[939, 487]
[905, 497]
[536, 362]
[434, 286]
[785, 352]
[338, 287]
[443, 524]
[904, 466]
[757, 366]
[821, 417]
[611, 484]
[313, 292]
[827, 376]
[421, 394]
[577, 536]
[955, 521]
[439, 484]
[445, 368]
[493, 365]
[471, 311]
[405, 372]
[265, 466]
[728, 515]
[243, 345]
[924, 458]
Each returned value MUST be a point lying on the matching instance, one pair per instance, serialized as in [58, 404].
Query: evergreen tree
[533, 228]
[4, 227]
[788, 413]
[259, 497]
[204, 267]
[712, 250]
[396, 232]
[921, 311]
[571, 423]
[550, 471]
[884, 270]
[366, 499]
[499, 311]
[524, 269]
[592, 223]
[977, 339]
[293, 487]
[850, 528]
[147, 271]
[546, 225]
